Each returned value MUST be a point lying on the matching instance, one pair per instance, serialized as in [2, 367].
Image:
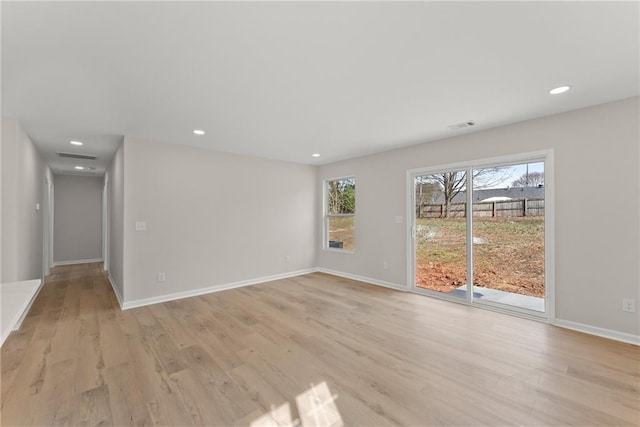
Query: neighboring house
[490, 193]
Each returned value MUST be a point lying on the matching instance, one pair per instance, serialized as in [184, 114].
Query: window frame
[326, 215]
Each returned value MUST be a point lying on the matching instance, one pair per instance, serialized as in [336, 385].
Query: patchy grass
[342, 229]
[508, 254]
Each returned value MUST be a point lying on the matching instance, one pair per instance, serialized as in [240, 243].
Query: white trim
[468, 245]
[484, 162]
[52, 224]
[115, 290]
[341, 251]
[368, 280]
[580, 327]
[600, 332]
[105, 223]
[78, 261]
[411, 230]
[22, 312]
[201, 291]
[549, 236]
[46, 225]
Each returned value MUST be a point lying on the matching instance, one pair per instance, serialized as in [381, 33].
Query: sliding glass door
[479, 234]
[508, 235]
[440, 232]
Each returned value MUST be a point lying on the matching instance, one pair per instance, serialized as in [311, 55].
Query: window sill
[342, 251]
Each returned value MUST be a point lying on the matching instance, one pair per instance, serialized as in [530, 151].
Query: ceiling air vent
[78, 173]
[462, 125]
[77, 156]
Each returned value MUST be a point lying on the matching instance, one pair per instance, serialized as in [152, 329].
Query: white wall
[212, 218]
[23, 178]
[115, 178]
[2, 136]
[77, 234]
[596, 164]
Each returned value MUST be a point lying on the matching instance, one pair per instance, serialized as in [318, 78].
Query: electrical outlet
[629, 305]
[162, 277]
[287, 259]
[385, 265]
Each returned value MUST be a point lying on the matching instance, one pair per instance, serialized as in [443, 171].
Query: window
[340, 209]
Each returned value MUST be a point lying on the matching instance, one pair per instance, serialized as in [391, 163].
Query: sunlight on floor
[316, 407]
[278, 417]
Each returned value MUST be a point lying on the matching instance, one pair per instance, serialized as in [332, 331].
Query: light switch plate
[629, 305]
[141, 226]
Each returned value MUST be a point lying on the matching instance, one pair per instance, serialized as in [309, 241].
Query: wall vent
[462, 125]
[77, 156]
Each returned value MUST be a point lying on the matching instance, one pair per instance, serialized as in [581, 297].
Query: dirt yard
[508, 254]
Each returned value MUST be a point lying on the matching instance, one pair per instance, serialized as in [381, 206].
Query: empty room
[320, 213]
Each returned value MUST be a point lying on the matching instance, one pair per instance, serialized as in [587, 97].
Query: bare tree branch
[532, 179]
[452, 183]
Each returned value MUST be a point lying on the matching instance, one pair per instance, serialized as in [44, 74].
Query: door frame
[47, 226]
[549, 230]
[105, 224]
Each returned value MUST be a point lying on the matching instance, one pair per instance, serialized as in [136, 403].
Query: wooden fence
[521, 207]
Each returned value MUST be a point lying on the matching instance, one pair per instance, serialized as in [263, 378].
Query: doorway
[482, 233]
[47, 211]
[105, 224]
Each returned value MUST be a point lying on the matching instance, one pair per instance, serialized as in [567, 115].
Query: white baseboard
[18, 324]
[125, 305]
[115, 290]
[26, 292]
[600, 332]
[580, 327]
[369, 280]
[202, 291]
[78, 261]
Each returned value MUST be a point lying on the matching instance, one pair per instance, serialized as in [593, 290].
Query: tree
[531, 179]
[452, 183]
[426, 192]
[342, 196]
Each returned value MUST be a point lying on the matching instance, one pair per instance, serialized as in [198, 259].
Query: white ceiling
[284, 80]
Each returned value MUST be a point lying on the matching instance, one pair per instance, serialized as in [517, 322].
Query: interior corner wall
[1, 193]
[77, 218]
[23, 178]
[596, 156]
[115, 178]
[213, 219]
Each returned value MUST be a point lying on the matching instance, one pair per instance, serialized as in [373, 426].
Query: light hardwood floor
[310, 350]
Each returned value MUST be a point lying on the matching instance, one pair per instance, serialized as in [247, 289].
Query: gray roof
[513, 193]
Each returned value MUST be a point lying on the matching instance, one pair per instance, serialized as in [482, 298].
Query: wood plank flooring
[311, 350]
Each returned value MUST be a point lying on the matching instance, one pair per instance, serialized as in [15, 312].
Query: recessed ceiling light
[80, 168]
[315, 155]
[198, 132]
[76, 143]
[558, 90]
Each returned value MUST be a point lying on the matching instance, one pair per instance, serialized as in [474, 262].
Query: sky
[506, 176]
[517, 171]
